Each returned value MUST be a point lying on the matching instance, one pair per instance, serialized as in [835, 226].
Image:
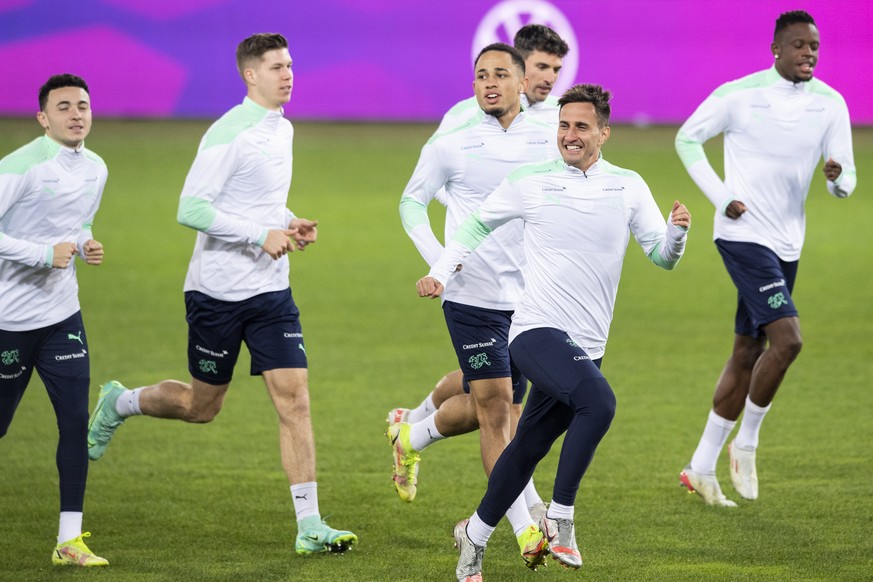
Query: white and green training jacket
[576, 231]
[237, 190]
[469, 161]
[776, 133]
[48, 194]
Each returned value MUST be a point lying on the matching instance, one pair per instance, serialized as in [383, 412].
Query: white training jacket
[48, 194]
[469, 162]
[775, 134]
[576, 229]
[235, 192]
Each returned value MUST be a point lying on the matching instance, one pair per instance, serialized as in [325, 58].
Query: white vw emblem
[502, 22]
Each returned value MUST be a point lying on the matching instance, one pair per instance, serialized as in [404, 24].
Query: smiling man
[50, 190]
[578, 213]
[237, 285]
[777, 125]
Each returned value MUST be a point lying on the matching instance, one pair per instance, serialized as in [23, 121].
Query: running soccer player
[469, 162]
[577, 212]
[50, 190]
[237, 285]
[777, 125]
[543, 51]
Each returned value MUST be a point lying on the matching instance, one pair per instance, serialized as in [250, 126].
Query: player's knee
[595, 400]
[788, 348]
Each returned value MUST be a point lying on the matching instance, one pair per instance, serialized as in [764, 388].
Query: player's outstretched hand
[93, 251]
[680, 215]
[305, 232]
[63, 254]
[429, 287]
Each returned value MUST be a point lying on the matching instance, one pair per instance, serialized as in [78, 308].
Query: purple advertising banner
[410, 60]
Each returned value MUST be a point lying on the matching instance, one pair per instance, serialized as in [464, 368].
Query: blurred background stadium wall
[409, 61]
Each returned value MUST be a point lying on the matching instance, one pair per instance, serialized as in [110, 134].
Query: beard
[496, 111]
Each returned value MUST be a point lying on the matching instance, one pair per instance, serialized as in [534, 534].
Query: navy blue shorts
[481, 340]
[59, 354]
[269, 324]
[764, 284]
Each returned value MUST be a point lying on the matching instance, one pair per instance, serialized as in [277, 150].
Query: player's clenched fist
[63, 254]
[429, 287]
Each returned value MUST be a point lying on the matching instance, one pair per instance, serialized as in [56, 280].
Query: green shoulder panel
[555, 166]
[817, 87]
[233, 123]
[753, 81]
[463, 106]
[40, 150]
[94, 158]
[616, 171]
[475, 120]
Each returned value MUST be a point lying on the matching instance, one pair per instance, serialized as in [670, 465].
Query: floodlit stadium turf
[173, 501]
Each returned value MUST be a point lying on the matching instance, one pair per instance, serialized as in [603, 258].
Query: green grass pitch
[171, 501]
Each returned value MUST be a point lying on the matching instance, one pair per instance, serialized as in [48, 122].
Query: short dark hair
[593, 94]
[255, 46]
[517, 59]
[59, 82]
[536, 37]
[788, 18]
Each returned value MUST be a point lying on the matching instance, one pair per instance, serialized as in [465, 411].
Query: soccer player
[237, 285]
[469, 162]
[777, 124]
[50, 190]
[577, 211]
[543, 51]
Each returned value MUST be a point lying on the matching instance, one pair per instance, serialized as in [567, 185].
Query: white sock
[753, 416]
[424, 433]
[128, 403]
[712, 441]
[478, 531]
[423, 410]
[531, 497]
[518, 516]
[558, 511]
[305, 497]
[70, 526]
